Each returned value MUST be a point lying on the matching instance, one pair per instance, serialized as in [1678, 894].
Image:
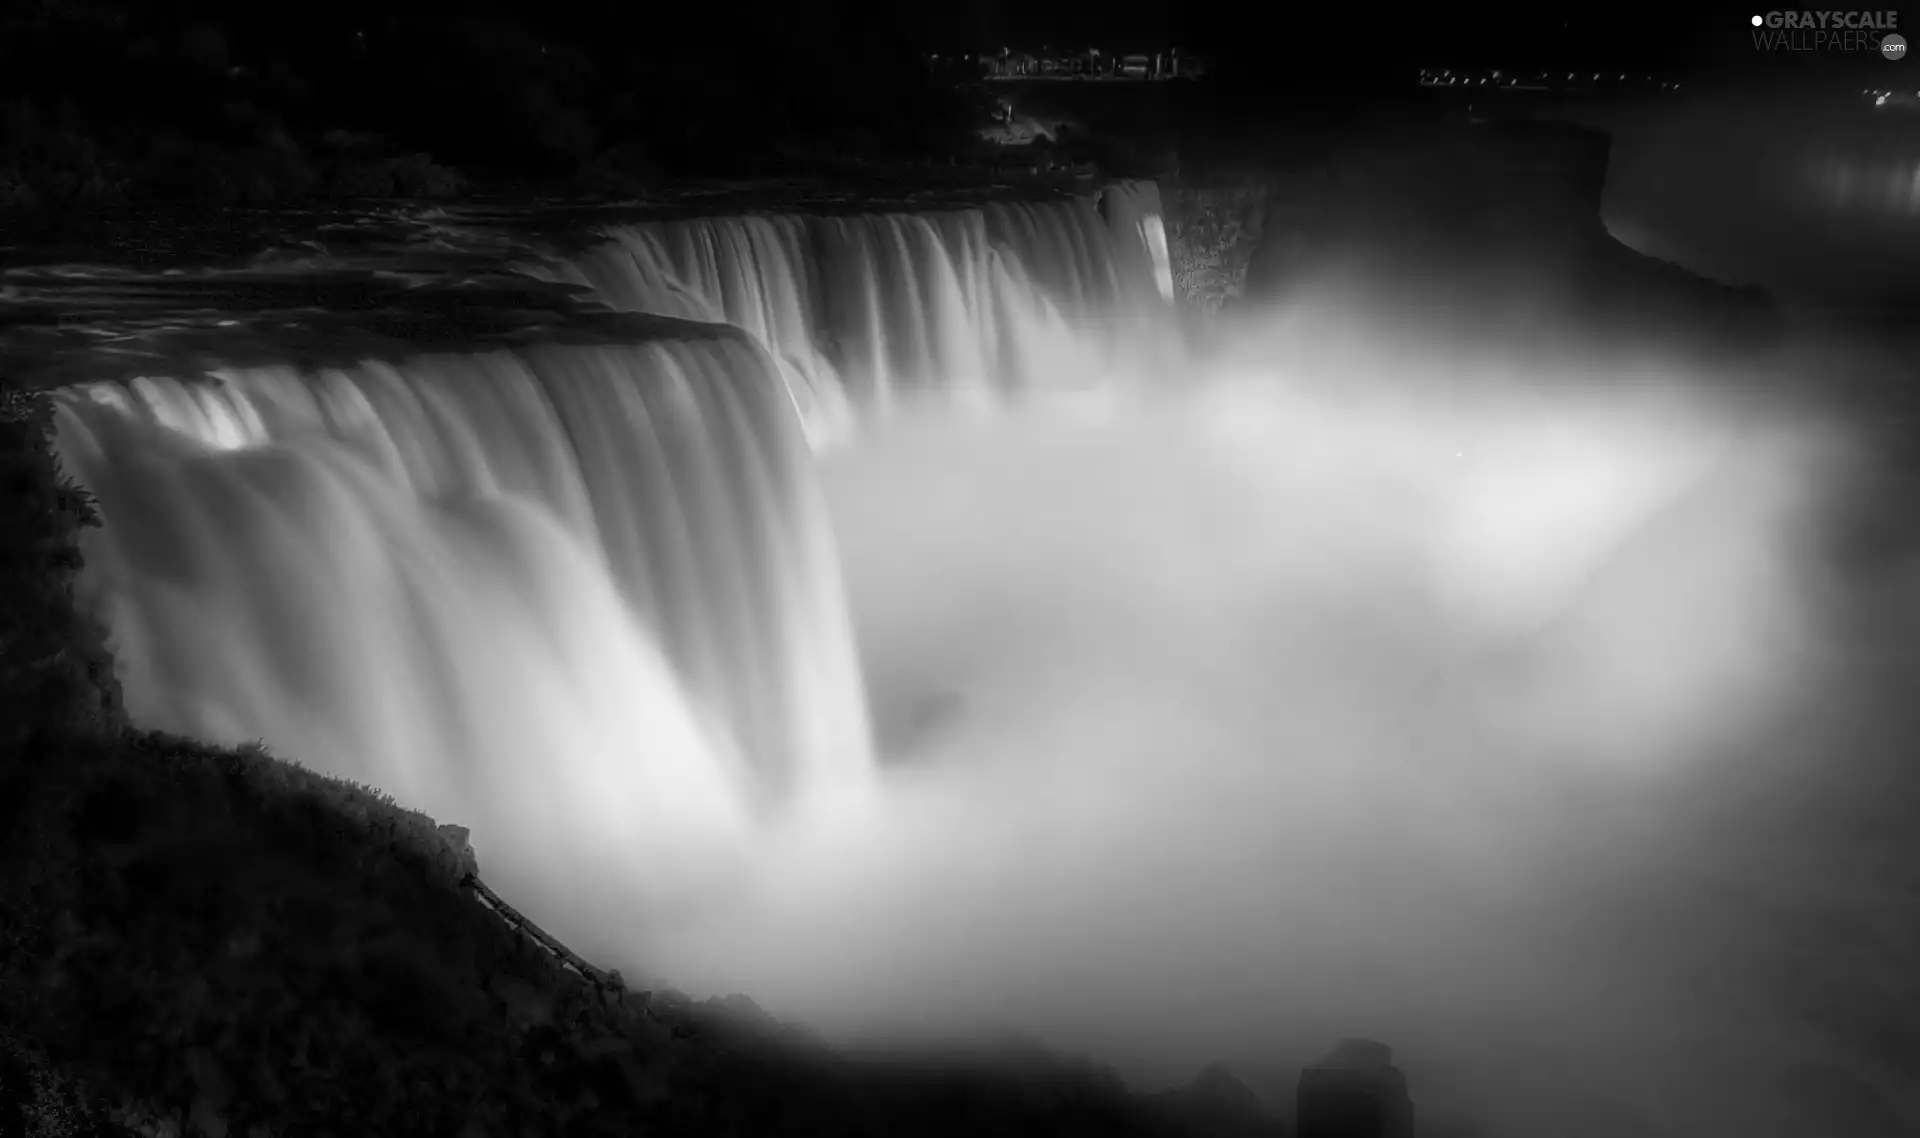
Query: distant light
[1881, 101]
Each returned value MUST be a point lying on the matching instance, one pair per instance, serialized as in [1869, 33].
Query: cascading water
[579, 584]
[579, 589]
[864, 311]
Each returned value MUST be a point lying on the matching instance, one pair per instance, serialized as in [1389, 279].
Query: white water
[865, 312]
[1211, 728]
[582, 589]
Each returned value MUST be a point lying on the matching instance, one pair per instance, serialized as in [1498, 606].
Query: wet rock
[524, 1002]
[459, 841]
[1219, 1105]
[1817, 1098]
[647, 1079]
[1354, 1092]
[1220, 1088]
[671, 1003]
[206, 1120]
[600, 1047]
[211, 1092]
[737, 1012]
[1212, 238]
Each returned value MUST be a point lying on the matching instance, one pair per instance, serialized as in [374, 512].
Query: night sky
[1337, 30]
[1293, 32]
[1278, 36]
[1329, 38]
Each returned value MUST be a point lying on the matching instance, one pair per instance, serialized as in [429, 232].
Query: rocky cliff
[1212, 233]
[1410, 195]
[1477, 223]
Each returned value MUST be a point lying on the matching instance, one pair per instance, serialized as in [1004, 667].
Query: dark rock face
[1560, 169]
[1478, 230]
[1466, 193]
[1218, 1105]
[1212, 232]
[1355, 1092]
[1217, 1086]
[1820, 1097]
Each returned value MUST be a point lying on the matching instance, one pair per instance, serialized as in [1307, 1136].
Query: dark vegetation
[115, 100]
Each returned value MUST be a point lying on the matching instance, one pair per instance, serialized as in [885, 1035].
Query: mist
[1343, 686]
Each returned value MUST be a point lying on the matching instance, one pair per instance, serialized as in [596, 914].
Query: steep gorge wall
[1460, 184]
[1494, 225]
[1212, 234]
[1492, 186]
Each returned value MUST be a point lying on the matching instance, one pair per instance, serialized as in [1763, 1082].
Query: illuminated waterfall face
[568, 589]
[867, 312]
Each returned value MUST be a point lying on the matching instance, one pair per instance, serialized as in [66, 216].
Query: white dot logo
[1893, 46]
[1757, 21]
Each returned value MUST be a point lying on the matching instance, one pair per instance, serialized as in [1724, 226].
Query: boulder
[459, 841]
[1354, 1092]
[1218, 1104]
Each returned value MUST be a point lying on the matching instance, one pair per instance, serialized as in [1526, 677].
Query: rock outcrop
[1212, 233]
[1467, 190]
[1490, 229]
[1354, 1092]
[1217, 1104]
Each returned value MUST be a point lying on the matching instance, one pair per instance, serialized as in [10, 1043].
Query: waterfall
[864, 311]
[577, 588]
[589, 577]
